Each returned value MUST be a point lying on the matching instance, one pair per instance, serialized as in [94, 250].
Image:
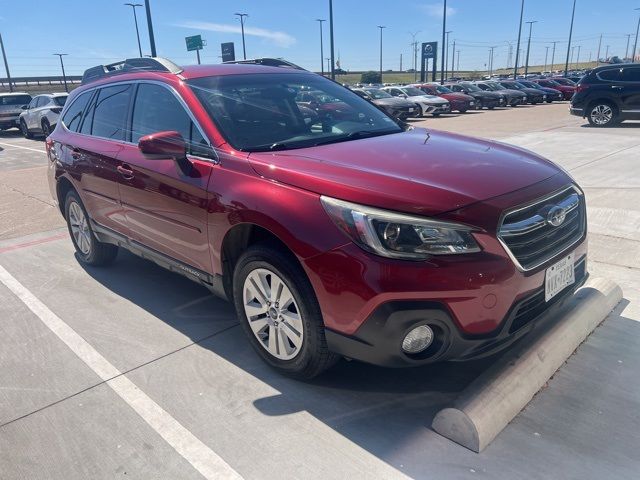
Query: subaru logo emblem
[556, 216]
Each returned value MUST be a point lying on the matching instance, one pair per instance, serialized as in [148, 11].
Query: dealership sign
[228, 52]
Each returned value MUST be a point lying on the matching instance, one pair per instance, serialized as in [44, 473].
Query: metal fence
[40, 81]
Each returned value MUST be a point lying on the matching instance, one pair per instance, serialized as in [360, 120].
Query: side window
[110, 112]
[613, 75]
[89, 111]
[41, 102]
[33, 103]
[73, 115]
[631, 74]
[156, 109]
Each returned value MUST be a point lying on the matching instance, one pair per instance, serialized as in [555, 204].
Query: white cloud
[281, 39]
[435, 10]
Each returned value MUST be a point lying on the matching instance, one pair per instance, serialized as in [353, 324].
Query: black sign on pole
[429, 52]
[228, 52]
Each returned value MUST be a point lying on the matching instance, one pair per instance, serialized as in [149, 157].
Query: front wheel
[279, 313]
[46, 128]
[89, 250]
[25, 131]
[602, 114]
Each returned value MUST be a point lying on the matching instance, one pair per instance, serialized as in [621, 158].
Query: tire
[46, 128]
[464, 110]
[602, 114]
[88, 249]
[491, 108]
[25, 131]
[435, 114]
[300, 320]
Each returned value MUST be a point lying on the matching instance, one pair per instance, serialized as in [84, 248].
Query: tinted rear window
[60, 100]
[631, 74]
[110, 111]
[73, 115]
[612, 75]
[15, 100]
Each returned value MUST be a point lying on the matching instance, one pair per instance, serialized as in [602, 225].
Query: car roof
[10, 94]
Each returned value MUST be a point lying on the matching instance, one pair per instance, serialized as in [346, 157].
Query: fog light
[417, 339]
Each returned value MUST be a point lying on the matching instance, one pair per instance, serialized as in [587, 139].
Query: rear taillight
[581, 88]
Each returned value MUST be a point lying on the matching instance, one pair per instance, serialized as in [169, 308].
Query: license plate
[558, 277]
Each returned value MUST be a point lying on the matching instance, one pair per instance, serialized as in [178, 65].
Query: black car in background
[513, 97]
[395, 106]
[552, 93]
[484, 99]
[533, 95]
[608, 95]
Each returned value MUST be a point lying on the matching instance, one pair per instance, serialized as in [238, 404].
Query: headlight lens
[396, 235]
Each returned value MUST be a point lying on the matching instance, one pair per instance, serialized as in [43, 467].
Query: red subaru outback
[333, 235]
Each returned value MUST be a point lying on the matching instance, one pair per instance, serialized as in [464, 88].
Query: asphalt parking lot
[134, 371]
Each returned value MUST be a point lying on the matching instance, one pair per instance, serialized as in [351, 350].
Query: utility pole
[553, 55]
[444, 31]
[401, 63]
[606, 55]
[320, 20]
[135, 19]
[446, 61]
[453, 56]
[598, 56]
[64, 76]
[515, 68]
[458, 58]
[526, 65]
[152, 38]
[381, 27]
[6, 64]
[490, 69]
[415, 55]
[331, 69]
[241, 16]
[635, 44]
[509, 56]
[578, 58]
[626, 50]
[546, 56]
[573, 13]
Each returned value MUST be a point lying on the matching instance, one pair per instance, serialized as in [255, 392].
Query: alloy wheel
[79, 228]
[273, 314]
[601, 114]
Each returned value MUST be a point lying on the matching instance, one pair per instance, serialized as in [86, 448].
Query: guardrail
[32, 81]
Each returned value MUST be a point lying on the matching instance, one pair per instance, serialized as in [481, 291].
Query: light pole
[635, 44]
[320, 20]
[446, 54]
[566, 63]
[6, 64]
[64, 76]
[453, 57]
[414, 45]
[458, 58]
[598, 56]
[444, 31]
[152, 38]
[515, 68]
[546, 57]
[553, 55]
[241, 17]
[606, 55]
[578, 58]
[626, 50]
[135, 19]
[381, 27]
[331, 69]
[526, 65]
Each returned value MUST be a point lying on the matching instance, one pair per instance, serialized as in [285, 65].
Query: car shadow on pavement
[625, 124]
[350, 398]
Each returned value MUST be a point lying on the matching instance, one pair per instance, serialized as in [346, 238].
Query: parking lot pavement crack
[121, 374]
[629, 267]
[604, 156]
[28, 195]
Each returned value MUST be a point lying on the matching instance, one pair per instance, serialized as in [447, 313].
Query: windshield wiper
[355, 136]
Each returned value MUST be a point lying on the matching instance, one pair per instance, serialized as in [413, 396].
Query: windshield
[549, 83]
[471, 87]
[443, 89]
[530, 84]
[494, 86]
[376, 93]
[512, 86]
[15, 99]
[283, 111]
[60, 100]
[412, 91]
[564, 81]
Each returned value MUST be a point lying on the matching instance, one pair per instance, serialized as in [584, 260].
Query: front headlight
[397, 235]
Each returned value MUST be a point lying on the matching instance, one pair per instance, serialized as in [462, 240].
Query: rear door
[32, 112]
[631, 90]
[166, 204]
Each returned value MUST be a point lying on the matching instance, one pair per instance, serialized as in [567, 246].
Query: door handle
[125, 171]
[617, 87]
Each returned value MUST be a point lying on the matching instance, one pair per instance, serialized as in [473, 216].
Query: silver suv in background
[42, 114]
[11, 106]
[427, 103]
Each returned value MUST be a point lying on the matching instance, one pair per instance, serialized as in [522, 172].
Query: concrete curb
[491, 401]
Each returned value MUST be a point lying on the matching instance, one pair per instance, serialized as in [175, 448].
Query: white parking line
[24, 148]
[203, 459]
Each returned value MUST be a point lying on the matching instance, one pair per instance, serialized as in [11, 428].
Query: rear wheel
[602, 114]
[89, 250]
[46, 128]
[25, 131]
[279, 312]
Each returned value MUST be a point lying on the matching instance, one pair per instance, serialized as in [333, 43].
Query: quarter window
[613, 75]
[110, 112]
[73, 115]
[631, 74]
[156, 109]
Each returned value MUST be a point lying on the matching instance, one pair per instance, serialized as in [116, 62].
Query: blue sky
[102, 31]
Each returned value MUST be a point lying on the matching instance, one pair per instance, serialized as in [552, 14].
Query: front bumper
[9, 122]
[379, 339]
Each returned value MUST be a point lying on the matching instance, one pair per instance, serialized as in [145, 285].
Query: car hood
[416, 171]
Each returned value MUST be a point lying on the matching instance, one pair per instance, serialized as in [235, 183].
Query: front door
[166, 202]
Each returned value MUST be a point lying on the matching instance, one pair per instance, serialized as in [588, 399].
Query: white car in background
[42, 114]
[427, 103]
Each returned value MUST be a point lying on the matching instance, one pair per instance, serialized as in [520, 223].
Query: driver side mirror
[24, 107]
[163, 144]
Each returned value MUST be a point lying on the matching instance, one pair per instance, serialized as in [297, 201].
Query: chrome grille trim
[528, 238]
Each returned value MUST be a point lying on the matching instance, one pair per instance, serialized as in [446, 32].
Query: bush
[370, 77]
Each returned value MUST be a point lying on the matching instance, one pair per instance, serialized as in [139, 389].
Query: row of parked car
[32, 115]
[418, 100]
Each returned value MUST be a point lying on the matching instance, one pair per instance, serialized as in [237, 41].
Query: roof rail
[147, 64]
[268, 62]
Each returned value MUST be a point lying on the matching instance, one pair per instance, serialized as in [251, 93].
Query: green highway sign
[194, 43]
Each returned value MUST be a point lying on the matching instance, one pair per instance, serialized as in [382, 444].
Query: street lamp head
[134, 5]
[241, 14]
[320, 20]
[381, 27]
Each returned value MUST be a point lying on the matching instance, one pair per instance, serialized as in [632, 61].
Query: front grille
[530, 236]
[534, 305]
